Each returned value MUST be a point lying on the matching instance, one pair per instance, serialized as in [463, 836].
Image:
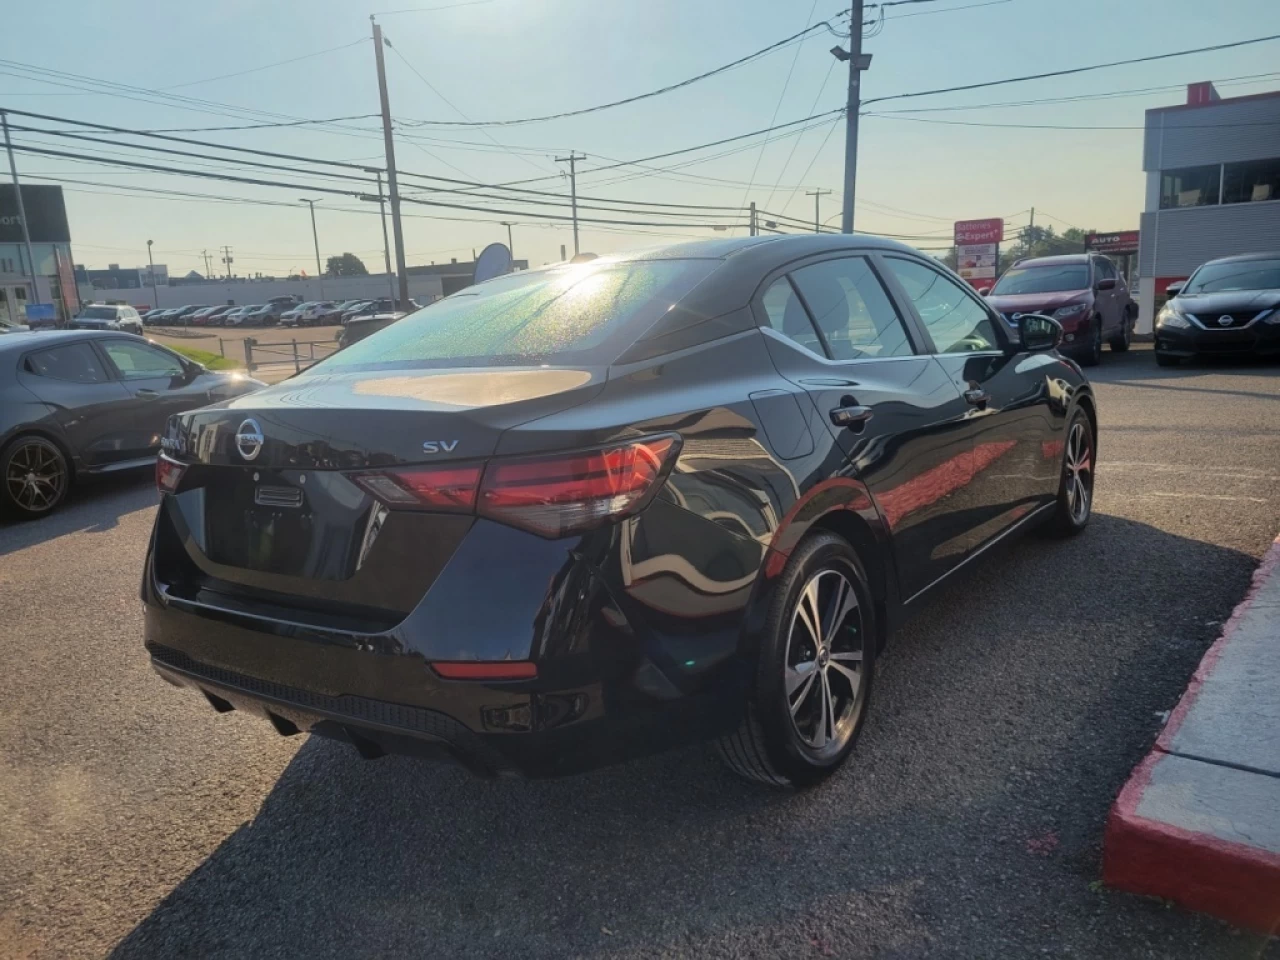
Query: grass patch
[211, 360]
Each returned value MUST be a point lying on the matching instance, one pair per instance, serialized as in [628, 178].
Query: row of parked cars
[282, 311]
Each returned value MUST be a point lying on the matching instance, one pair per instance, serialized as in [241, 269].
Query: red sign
[1124, 241]
[980, 231]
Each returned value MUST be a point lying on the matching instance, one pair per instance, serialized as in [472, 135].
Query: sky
[507, 59]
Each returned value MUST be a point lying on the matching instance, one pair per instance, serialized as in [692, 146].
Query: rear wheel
[1120, 343]
[1075, 490]
[36, 477]
[813, 678]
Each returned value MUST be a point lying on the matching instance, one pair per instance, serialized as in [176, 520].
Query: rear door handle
[850, 416]
[146, 394]
[977, 398]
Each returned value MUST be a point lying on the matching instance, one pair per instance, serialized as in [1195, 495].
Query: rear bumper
[617, 678]
[1257, 339]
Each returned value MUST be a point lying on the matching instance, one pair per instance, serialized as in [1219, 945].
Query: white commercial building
[1213, 187]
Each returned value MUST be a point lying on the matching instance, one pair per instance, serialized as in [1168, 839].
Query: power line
[1071, 126]
[823, 24]
[268, 66]
[795, 144]
[1073, 70]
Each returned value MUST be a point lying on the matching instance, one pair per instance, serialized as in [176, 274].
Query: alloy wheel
[35, 477]
[1078, 464]
[823, 663]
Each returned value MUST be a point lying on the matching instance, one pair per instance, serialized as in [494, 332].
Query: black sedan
[579, 514]
[74, 404]
[1228, 307]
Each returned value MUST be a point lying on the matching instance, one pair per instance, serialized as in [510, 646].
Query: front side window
[579, 314]
[957, 322]
[852, 310]
[139, 361]
[1235, 275]
[75, 362]
[1191, 187]
[1252, 182]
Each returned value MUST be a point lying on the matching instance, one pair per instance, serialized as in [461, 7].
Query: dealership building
[50, 234]
[1213, 187]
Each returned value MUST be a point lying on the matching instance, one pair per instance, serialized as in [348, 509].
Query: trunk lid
[267, 514]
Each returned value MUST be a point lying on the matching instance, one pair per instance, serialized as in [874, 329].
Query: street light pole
[386, 247]
[857, 63]
[511, 246]
[572, 159]
[315, 238]
[155, 294]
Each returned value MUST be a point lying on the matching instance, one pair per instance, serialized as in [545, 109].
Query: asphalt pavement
[135, 822]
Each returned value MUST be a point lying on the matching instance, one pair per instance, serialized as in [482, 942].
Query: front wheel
[1120, 343]
[1074, 505]
[814, 671]
[1093, 355]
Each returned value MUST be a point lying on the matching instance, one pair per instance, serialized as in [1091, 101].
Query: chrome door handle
[849, 416]
[977, 398]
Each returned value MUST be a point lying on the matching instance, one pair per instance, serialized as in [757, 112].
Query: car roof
[51, 338]
[1244, 257]
[1051, 261]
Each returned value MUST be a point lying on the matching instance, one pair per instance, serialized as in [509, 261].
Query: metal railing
[300, 353]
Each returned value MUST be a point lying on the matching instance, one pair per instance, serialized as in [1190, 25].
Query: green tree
[347, 265]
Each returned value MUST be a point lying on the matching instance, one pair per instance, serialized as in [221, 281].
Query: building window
[1191, 187]
[1251, 182]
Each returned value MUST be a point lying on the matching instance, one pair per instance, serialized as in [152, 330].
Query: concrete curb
[1198, 822]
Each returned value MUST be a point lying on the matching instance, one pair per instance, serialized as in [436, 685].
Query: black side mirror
[1173, 289]
[1107, 284]
[1037, 333]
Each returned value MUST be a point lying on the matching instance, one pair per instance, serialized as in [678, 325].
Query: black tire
[1164, 360]
[1092, 356]
[1121, 343]
[1069, 517]
[34, 477]
[771, 745]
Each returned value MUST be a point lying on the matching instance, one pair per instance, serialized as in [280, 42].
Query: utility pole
[228, 259]
[753, 226]
[386, 247]
[572, 159]
[315, 238]
[22, 210]
[155, 294]
[857, 63]
[393, 187]
[817, 216]
[511, 246]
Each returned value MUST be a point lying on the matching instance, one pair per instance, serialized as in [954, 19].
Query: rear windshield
[98, 313]
[1067, 276]
[584, 314]
[1240, 275]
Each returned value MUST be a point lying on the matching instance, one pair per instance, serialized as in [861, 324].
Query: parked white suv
[108, 316]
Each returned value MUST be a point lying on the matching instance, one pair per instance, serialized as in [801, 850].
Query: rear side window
[852, 310]
[788, 316]
[76, 362]
[580, 314]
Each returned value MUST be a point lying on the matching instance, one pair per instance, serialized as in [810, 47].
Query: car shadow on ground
[92, 506]
[969, 823]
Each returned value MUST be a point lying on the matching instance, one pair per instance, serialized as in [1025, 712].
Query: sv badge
[439, 446]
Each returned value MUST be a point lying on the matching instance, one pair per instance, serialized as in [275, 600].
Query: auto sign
[979, 231]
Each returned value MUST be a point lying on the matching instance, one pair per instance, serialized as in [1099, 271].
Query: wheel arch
[1085, 401]
[849, 526]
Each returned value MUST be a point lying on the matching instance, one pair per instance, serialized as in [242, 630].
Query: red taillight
[487, 669]
[557, 495]
[450, 489]
[168, 474]
[551, 496]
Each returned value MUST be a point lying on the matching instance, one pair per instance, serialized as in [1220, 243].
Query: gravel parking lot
[135, 822]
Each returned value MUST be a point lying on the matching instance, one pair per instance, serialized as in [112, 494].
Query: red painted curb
[1199, 871]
